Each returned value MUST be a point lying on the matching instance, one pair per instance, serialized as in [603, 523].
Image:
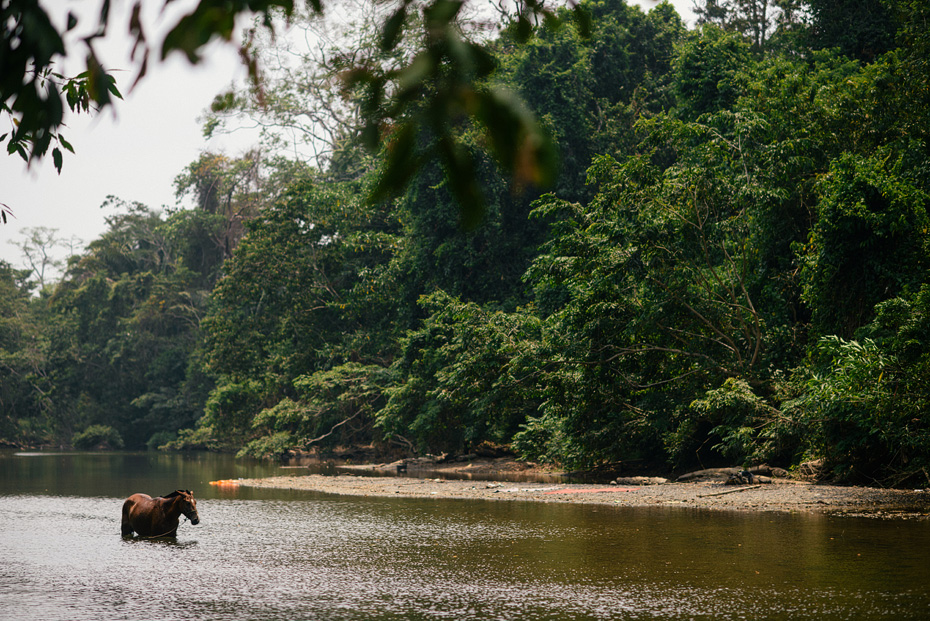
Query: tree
[756, 20]
[846, 412]
[284, 308]
[591, 87]
[24, 419]
[869, 244]
[458, 378]
[708, 71]
[227, 192]
[861, 29]
[301, 105]
[122, 330]
[334, 407]
[665, 286]
[39, 251]
[32, 94]
[431, 90]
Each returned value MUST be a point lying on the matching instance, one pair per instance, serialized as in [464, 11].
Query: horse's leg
[126, 525]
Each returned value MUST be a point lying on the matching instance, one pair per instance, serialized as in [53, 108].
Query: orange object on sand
[225, 483]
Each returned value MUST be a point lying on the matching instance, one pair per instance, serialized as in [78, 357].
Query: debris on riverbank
[782, 495]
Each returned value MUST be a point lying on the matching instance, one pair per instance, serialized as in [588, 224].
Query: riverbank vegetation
[731, 266]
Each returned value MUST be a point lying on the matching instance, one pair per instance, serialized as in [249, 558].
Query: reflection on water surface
[266, 554]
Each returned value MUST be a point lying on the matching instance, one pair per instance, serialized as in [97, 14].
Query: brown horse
[158, 517]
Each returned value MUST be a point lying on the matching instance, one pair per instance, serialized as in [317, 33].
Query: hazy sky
[133, 151]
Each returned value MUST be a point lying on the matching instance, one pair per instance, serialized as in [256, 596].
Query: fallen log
[763, 469]
[709, 472]
[573, 490]
[639, 481]
[729, 491]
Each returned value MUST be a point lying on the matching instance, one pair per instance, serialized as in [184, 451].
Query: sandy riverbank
[779, 495]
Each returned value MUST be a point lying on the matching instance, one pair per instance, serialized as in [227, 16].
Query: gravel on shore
[781, 496]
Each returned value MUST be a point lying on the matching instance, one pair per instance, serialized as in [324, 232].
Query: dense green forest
[731, 266]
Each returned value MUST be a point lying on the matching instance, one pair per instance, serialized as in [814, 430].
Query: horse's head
[188, 505]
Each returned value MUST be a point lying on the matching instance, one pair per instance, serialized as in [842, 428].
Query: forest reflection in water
[265, 554]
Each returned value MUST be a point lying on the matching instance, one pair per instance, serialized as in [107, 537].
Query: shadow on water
[120, 474]
[171, 542]
[53, 472]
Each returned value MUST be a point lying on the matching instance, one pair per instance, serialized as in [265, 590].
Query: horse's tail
[126, 527]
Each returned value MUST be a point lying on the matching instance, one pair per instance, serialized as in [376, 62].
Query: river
[266, 554]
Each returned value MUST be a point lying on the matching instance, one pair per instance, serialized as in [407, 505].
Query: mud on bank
[775, 495]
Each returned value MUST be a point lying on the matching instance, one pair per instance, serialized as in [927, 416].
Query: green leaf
[371, 135]
[393, 26]
[223, 102]
[524, 29]
[211, 19]
[462, 179]
[583, 21]
[112, 87]
[484, 62]
[56, 158]
[401, 163]
[98, 81]
[516, 139]
[440, 14]
[411, 77]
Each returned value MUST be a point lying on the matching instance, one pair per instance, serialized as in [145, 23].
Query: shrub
[847, 409]
[97, 437]
[739, 420]
[200, 439]
[159, 439]
[541, 439]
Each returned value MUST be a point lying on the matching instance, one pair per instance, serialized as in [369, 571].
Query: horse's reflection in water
[159, 542]
[158, 517]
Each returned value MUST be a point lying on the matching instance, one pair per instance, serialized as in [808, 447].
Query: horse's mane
[177, 493]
